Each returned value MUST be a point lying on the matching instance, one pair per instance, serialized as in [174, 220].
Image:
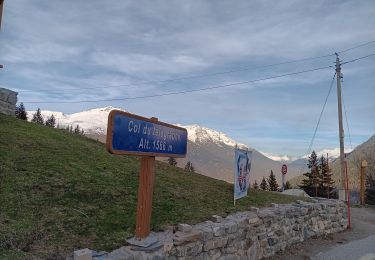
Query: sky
[78, 50]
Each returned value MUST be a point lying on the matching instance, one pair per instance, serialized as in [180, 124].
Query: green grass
[60, 192]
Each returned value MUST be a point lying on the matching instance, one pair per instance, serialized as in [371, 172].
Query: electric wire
[179, 92]
[346, 117]
[204, 75]
[360, 58]
[320, 117]
[184, 78]
[357, 46]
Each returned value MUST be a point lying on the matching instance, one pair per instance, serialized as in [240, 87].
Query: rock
[82, 254]
[253, 220]
[254, 209]
[216, 218]
[218, 229]
[272, 241]
[230, 227]
[183, 237]
[184, 227]
[229, 257]
[122, 253]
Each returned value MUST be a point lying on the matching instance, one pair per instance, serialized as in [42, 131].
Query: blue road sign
[136, 135]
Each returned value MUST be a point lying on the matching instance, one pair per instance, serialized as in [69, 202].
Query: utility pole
[1, 17]
[1, 10]
[342, 193]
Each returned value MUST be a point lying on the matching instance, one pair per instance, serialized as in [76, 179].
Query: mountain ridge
[210, 151]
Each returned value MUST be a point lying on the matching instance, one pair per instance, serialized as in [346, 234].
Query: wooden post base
[145, 191]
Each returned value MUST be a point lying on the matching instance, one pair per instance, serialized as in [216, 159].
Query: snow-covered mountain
[210, 151]
[93, 121]
[279, 158]
[203, 134]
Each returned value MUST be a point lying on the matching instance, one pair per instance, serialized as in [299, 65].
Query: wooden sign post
[135, 135]
[363, 181]
[145, 192]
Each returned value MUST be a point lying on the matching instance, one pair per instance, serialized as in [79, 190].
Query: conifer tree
[189, 167]
[272, 183]
[311, 181]
[38, 118]
[172, 161]
[255, 185]
[77, 130]
[263, 184]
[287, 185]
[327, 182]
[51, 121]
[21, 112]
[192, 169]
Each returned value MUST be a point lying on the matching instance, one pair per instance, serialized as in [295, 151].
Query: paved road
[363, 249]
[355, 243]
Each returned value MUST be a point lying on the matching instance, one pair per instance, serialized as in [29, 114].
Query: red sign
[284, 169]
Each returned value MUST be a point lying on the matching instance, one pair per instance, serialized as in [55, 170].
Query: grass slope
[60, 192]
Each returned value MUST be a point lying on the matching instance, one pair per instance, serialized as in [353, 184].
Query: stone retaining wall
[8, 100]
[253, 234]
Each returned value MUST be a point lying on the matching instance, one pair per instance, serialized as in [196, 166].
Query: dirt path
[363, 226]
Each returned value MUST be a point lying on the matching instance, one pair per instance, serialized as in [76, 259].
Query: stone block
[123, 253]
[254, 209]
[193, 249]
[216, 219]
[180, 238]
[207, 232]
[214, 254]
[230, 227]
[262, 236]
[230, 250]
[184, 227]
[218, 229]
[229, 257]
[272, 241]
[82, 254]
[221, 242]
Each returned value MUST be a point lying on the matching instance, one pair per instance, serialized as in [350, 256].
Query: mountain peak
[201, 134]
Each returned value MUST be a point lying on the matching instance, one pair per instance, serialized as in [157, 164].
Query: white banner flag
[242, 167]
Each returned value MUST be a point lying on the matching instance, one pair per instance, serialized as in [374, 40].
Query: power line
[320, 117]
[195, 90]
[360, 58]
[188, 77]
[357, 46]
[346, 117]
[180, 92]
[205, 75]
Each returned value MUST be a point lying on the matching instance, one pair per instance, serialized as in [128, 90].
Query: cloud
[49, 47]
[141, 64]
